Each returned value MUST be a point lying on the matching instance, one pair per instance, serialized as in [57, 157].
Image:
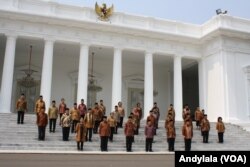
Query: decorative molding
[122, 22]
[134, 81]
[246, 70]
[90, 37]
[39, 19]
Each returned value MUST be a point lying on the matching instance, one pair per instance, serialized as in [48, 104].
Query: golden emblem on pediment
[103, 12]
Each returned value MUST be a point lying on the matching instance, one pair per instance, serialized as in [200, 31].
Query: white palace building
[132, 58]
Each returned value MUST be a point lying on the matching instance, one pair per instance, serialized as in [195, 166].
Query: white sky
[190, 11]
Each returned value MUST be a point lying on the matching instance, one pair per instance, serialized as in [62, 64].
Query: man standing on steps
[220, 127]
[42, 121]
[21, 107]
[129, 133]
[122, 113]
[156, 112]
[102, 107]
[80, 134]
[40, 104]
[65, 123]
[137, 111]
[53, 114]
[97, 117]
[112, 123]
[198, 117]
[205, 127]
[149, 132]
[104, 132]
[82, 108]
[117, 118]
[187, 132]
[62, 107]
[89, 123]
[75, 116]
[172, 111]
[170, 129]
[152, 119]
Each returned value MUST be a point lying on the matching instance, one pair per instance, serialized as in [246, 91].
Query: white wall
[214, 87]
[237, 86]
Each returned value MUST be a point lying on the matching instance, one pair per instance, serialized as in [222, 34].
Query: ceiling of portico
[72, 51]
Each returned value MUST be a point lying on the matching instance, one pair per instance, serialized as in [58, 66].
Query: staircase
[23, 137]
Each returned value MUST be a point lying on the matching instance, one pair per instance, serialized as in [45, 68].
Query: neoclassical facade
[136, 59]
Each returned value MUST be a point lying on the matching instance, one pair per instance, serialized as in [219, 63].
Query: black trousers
[41, 132]
[198, 123]
[97, 123]
[60, 115]
[82, 116]
[74, 122]
[137, 130]
[205, 136]
[20, 117]
[129, 141]
[149, 142]
[116, 128]
[65, 131]
[187, 144]
[220, 136]
[171, 142]
[80, 145]
[104, 143]
[89, 134]
[52, 125]
[112, 129]
[121, 122]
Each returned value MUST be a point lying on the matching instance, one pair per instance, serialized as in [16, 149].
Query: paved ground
[84, 160]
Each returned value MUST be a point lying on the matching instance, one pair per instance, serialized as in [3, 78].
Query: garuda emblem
[103, 12]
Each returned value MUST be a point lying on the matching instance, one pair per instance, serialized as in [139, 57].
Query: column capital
[200, 59]
[85, 43]
[9, 34]
[148, 52]
[49, 39]
[118, 47]
[177, 56]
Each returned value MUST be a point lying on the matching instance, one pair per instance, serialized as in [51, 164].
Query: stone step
[24, 137]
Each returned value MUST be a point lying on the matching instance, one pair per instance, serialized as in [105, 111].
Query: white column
[47, 70]
[82, 88]
[148, 84]
[178, 87]
[7, 76]
[201, 83]
[117, 77]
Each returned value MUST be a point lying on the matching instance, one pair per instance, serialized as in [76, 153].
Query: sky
[189, 11]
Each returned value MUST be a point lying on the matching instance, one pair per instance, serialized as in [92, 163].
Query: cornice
[59, 22]
[50, 12]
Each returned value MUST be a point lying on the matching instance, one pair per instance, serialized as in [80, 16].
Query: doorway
[135, 95]
[190, 80]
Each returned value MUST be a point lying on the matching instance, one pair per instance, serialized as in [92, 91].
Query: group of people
[202, 124]
[84, 121]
